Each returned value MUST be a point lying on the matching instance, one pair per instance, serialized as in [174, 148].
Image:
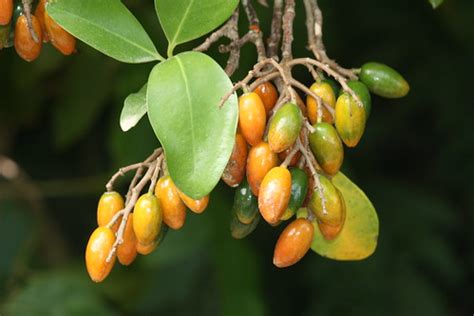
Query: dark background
[59, 122]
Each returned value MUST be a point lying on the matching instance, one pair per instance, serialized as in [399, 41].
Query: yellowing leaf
[358, 237]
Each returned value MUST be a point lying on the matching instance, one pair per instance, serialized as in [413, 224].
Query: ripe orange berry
[25, 46]
[6, 11]
[269, 95]
[234, 172]
[98, 248]
[293, 243]
[252, 118]
[326, 93]
[62, 40]
[260, 160]
[39, 13]
[147, 218]
[127, 250]
[197, 206]
[174, 210]
[274, 195]
[109, 204]
[146, 249]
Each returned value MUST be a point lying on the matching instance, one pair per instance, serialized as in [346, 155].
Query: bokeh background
[59, 122]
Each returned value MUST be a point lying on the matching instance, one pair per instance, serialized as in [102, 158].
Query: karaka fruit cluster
[28, 33]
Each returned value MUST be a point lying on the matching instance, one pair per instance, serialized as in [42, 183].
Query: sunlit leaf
[134, 109]
[183, 108]
[185, 20]
[106, 25]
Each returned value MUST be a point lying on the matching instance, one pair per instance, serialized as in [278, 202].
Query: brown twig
[275, 35]
[152, 170]
[288, 18]
[27, 11]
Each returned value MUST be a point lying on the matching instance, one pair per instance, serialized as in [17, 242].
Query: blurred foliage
[59, 119]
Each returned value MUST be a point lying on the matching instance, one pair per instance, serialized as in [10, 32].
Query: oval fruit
[383, 80]
[350, 120]
[174, 210]
[245, 203]
[6, 11]
[269, 95]
[62, 40]
[361, 90]
[327, 147]
[334, 85]
[196, 206]
[252, 118]
[260, 160]
[98, 248]
[326, 93]
[293, 243]
[299, 190]
[274, 195]
[25, 46]
[331, 232]
[234, 172]
[146, 249]
[147, 218]
[239, 230]
[285, 127]
[110, 203]
[333, 202]
[39, 13]
[127, 250]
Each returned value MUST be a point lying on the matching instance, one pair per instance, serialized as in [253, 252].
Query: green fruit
[245, 203]
[285, 127]
[361, 90]
[334, 214]
[327, 147]
[383, 80]
[350, 120]
[240, 230]
[299, 189]
[334, 85]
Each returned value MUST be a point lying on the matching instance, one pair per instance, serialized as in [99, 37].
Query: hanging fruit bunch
[287, 154]
[27, 30]
[284, 157]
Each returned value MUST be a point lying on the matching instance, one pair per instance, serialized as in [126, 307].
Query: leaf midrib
[180, 26]
[117, 35]
[189, 105]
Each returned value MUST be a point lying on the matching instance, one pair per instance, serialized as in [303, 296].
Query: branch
[288, 19]
[27, 11]
[275, 36]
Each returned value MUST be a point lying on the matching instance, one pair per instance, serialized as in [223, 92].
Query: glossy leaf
[185, 20]
[358, 237]
[183, 108]
[134, 108]
[106, 25]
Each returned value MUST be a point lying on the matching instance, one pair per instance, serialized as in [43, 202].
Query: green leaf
[183, 108]
[106, 25]
[133, 109]
[358, 237]
[435, 3]
[185, 20]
